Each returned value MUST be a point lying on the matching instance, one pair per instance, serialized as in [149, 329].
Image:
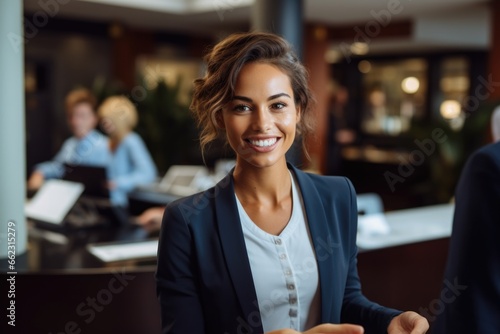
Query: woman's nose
[262, 119]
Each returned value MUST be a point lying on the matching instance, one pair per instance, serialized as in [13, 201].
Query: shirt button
[292, 313]
[291, 287]
[288, 272]
[278, 241]
[293, 301]
[283, 256]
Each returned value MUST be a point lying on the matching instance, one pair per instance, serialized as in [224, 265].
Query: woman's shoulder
[326, 182]
[329, 179]
[331, 190]
[194, 207]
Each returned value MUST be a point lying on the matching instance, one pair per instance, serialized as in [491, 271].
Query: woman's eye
[241, 108]
[278, 105]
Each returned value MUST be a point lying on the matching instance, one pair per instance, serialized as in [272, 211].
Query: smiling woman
[262, 116]
[269, 249]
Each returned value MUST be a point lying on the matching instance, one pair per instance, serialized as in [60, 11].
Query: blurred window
[394, 94]
[454, 88]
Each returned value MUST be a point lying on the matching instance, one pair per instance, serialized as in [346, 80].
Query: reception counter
[411, 226]
[59, 278]
[404, 269]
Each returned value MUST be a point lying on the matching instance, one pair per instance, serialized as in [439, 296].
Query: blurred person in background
[130, 163]
[87, 146]
[471, 289]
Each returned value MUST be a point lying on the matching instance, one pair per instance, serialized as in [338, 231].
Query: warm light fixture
[359, 48]
[364, 66]
[450, 109]
[332, 56]
[410, 85]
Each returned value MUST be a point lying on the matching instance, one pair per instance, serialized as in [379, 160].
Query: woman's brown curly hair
[224, 63]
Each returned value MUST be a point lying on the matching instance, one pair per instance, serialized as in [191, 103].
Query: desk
[405, 268]
[62, 288]
[411, 226]
[142, 199]
[115, 301]
[59, 247]
[65, 251]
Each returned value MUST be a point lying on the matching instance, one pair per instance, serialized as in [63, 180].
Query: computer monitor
[94, 179]
[183, 180]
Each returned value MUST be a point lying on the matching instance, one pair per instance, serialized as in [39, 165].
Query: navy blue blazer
[470, 298]
[204, 280]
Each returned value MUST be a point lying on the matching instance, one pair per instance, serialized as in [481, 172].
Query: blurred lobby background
[404, 93]
[385, 74]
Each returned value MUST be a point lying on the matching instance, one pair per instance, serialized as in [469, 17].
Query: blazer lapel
[324, 241]
[234, 249]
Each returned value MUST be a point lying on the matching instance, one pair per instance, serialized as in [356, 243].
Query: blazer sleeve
[473, 260]
[177, 290]
[356, 308]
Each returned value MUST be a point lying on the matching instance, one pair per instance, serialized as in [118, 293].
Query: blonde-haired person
[130, 163]
[270, 248]
[86, 147]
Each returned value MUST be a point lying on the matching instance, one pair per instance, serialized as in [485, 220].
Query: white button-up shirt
[284, 270]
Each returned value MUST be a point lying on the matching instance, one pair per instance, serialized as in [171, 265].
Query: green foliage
[167, 127]
[446, 163]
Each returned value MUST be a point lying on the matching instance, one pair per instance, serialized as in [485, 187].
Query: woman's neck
[269, 184]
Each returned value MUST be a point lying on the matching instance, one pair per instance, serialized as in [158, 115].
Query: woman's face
[260, 122]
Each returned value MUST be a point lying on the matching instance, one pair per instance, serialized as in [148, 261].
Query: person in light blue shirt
[86, 147]
[130, 163]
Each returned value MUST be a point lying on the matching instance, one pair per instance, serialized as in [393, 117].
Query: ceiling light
[410, 85]
[450, 109]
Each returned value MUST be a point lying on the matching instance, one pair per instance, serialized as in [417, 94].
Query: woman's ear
[299, 114]
[219, 121]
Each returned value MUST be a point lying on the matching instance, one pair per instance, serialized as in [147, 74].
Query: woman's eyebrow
[272, 97]
[242, 98]
[275, 96]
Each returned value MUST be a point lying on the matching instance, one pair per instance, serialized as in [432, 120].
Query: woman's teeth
[264, 143]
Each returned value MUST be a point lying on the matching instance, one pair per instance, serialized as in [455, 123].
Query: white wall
[12, 146]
